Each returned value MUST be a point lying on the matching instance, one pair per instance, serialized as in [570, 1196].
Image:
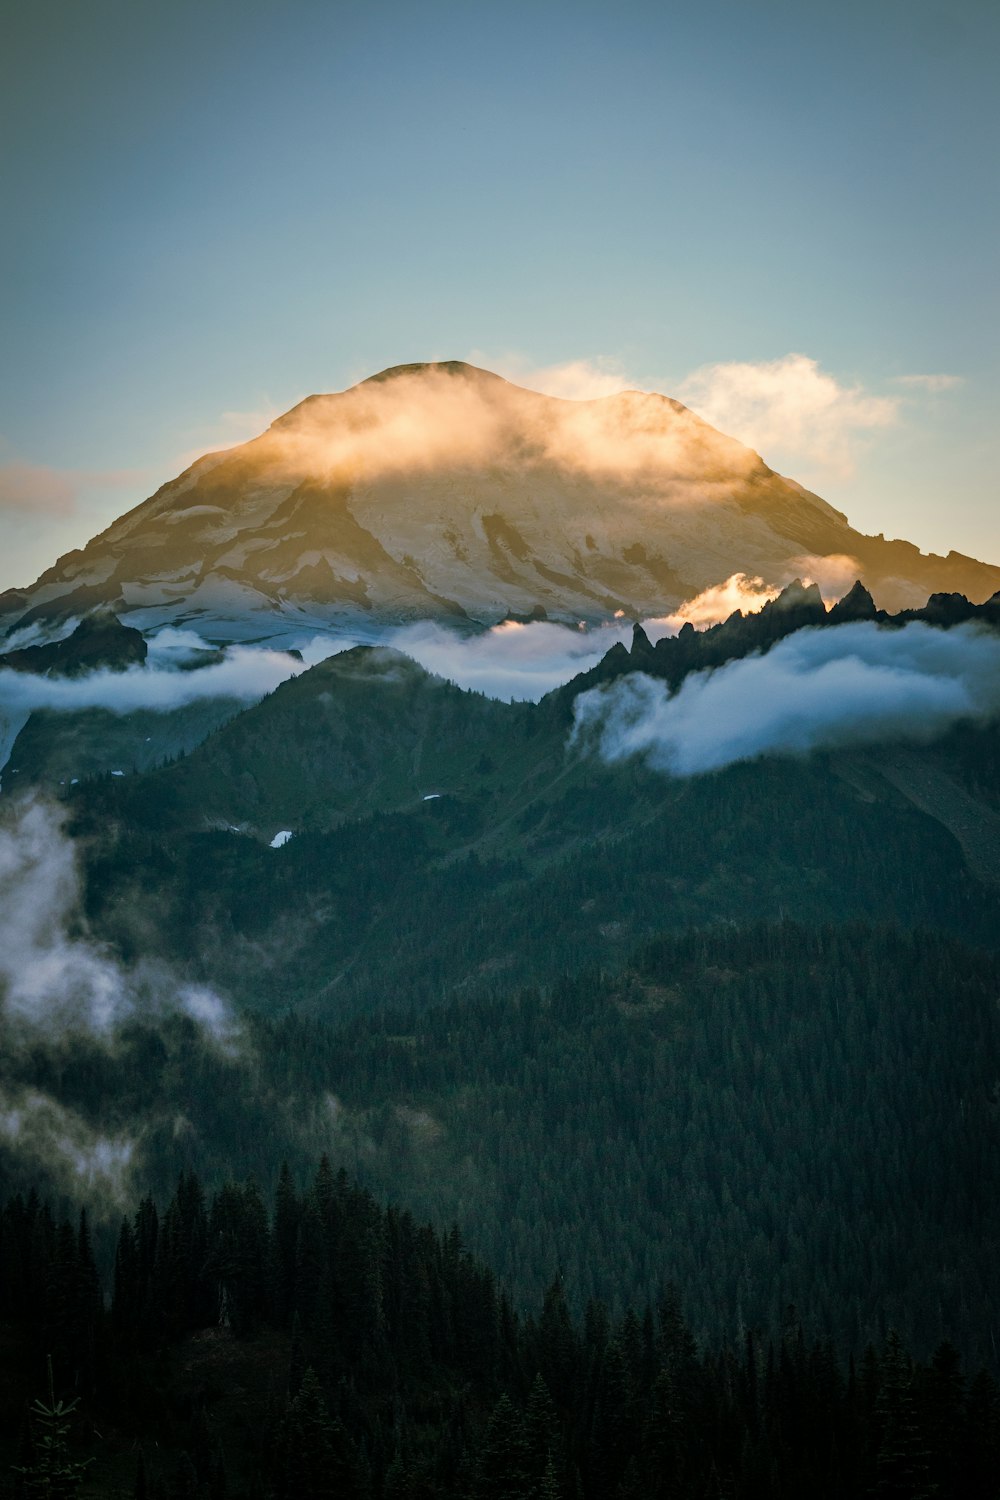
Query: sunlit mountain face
[442, 491]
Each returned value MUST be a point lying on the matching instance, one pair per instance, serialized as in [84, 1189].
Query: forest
[331, 1348]
[763, 1115]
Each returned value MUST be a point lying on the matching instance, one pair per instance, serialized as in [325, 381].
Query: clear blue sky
[217, 208]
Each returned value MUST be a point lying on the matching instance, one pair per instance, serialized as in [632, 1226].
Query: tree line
[329, 1347]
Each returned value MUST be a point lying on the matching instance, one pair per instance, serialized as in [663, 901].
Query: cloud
[715, 604]
[48, 1135]
[931, 383]
[56, 982]
[64, 995]
[37, 489]
[511, 661]
[42, 491]
[228, 430]
[574, 380]
[854, 684]
[245, 674]
[833, 574]
[791, 409]
[438, 419]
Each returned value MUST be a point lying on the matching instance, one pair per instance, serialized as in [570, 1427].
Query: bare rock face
[443, 491]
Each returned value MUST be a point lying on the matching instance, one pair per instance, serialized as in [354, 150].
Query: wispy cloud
[818, 689]
[62, 991]
[933, 384]
[434, 419]
[574, 380]
[712, 605]
[56, 983]
[44, 1132]
[245, 673]
[43, 491]
[511, 661]
[229, 429]
[790, 410]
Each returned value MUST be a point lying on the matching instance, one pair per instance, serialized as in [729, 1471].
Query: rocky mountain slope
[443, 491]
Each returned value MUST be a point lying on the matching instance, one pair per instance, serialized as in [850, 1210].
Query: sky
[786, 215]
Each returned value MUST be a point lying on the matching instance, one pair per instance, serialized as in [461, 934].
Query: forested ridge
[419, 906]
[763, 1115]
[330, 1348]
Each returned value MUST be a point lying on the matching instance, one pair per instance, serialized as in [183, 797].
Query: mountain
[440, 840]
[401, 961]
[443, 491]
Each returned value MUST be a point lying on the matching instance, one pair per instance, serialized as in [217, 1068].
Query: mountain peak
[799, 595]
[441, 490]
[857, 604]
[453, 367]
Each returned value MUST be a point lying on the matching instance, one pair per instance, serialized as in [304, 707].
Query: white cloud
[229, 429]
[833, 574]
[44, 1132]
[511, 661]
[789, 410]
[573, 380]
[245, 674]
[55, 982]
[931, 383]
[715, 604]
[847, 685]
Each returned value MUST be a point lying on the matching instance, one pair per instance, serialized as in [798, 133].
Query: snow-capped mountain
[441, 490]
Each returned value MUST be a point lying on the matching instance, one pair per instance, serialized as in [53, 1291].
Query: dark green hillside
[516, 878]
[367, 730]
[54, 750]
[328, 1349]
[734, 1108]
[764, 1115]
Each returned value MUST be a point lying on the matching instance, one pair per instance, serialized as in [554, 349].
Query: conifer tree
[501, 1472]
[53, 1474]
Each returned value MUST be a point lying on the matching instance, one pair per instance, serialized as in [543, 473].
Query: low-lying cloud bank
[246, 674]
[848, 685]
[511, 660]
[526, 661]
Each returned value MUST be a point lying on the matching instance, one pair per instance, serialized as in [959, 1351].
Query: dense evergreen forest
[335, 1349]
[762, 1115]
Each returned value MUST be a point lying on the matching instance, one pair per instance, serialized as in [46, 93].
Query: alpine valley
[402, 826]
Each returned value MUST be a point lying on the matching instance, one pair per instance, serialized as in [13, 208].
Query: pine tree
[541, 1427]
[901, 1463]
[308, 1442]
[501, 1472]
[53, 1475]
